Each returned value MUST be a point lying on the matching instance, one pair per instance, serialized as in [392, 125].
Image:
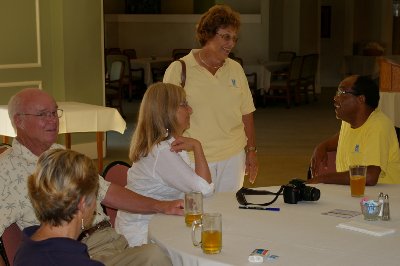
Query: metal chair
[116, 172]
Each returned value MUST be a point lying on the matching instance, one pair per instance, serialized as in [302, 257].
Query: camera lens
[311, 193]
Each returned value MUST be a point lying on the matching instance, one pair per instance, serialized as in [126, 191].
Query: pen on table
[260, 208]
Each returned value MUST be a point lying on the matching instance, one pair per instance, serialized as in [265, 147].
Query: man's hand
[174, 207]
[320, 156]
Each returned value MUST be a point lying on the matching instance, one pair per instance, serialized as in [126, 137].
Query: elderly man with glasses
[366, 137]
[35, 117]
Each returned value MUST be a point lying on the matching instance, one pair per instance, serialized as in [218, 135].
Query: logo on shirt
[357, 148]
[234, 83]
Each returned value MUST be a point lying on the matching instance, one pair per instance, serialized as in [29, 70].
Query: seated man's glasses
[47, 114]
[340, 91]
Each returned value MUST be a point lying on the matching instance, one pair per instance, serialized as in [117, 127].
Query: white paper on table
[366, 228]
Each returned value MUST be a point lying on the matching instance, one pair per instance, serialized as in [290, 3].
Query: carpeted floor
[285, 137]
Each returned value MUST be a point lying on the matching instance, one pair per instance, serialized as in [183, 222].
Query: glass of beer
[211, 233]
[193, 207]
[358, 175]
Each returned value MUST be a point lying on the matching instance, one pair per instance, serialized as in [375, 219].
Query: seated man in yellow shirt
[366, 137]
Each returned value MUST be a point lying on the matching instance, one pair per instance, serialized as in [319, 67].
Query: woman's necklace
[204, 62]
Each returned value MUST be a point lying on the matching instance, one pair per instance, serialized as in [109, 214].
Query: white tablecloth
[148, 63]
[299, 234]
[389, 103]
[77, 117]
[264, 72]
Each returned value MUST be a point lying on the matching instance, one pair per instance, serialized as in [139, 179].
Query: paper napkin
[365, 228]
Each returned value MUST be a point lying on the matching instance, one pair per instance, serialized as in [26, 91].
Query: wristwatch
[251, 148]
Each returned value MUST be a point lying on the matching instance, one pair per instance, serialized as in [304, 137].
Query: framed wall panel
[21, 36]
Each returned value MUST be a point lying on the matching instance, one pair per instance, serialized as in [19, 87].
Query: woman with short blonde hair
[63, 191]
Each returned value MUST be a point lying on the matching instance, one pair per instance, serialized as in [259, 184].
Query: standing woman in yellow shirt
[218, 91]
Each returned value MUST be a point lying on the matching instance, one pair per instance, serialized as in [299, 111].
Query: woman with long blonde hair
[161, 167]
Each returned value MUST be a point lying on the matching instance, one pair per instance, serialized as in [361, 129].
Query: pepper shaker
[386, 210]
[380, 200]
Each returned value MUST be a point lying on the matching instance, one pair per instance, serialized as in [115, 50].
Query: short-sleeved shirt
[374, 143]
[219, 102]
[163, 175]
[16, 165]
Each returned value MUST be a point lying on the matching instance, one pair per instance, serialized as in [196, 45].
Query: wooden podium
[389, 75]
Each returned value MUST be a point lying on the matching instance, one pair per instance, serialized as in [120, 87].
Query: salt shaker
[380, 200]
[385, 207]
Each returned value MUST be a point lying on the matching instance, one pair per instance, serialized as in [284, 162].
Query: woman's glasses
[227, 37]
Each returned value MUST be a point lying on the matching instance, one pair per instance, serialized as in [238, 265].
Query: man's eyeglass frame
[47, 114]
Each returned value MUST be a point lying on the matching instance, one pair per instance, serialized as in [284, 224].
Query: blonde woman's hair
[157, 118]
[61, 179]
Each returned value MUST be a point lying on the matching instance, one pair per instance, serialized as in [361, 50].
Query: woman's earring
[166, 133]
[82, 226]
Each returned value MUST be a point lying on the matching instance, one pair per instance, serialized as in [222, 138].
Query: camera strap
[241, 195]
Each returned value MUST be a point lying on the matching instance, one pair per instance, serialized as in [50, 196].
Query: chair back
[119, 57]
[310, 66]
[295, 68]
[286, 56]
[117, 173]
[179, 53]
[116, 71]
[130, 53]
[11, 239]
[113, 50]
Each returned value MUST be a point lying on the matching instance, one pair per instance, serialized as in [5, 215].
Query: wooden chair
[283, 56]
[10, 241]
[286, 89]
[179, 53]
[136, 76]
[307, 76]
[127, 75]
[113, 50]
[157, 72]
[114, 85]
[4, 147]
[116, 172]
[286, 56]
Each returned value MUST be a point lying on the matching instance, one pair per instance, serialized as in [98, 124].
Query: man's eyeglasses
[227, 37]
[47, 114]
[341, 92]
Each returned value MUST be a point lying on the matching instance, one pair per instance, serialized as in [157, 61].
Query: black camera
[297, 190]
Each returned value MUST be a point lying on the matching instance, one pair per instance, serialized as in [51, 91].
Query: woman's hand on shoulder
[184, 143]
